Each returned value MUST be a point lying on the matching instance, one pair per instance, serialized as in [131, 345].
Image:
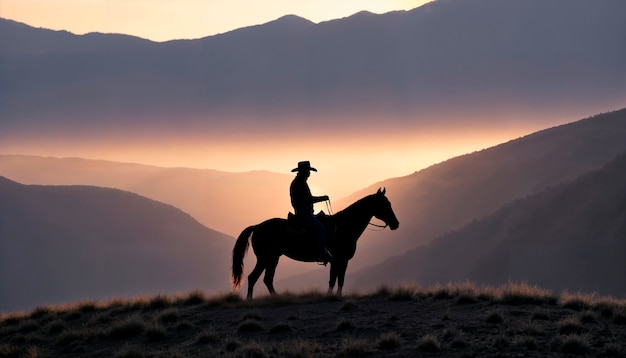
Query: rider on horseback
[302, 202]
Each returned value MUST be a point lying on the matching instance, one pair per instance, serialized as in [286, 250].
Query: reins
[329, 207]
[382, 227]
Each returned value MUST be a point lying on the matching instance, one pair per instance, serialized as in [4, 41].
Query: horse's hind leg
[270, 270]
[254, 276]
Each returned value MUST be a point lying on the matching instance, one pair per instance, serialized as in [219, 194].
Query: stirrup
[325, 258]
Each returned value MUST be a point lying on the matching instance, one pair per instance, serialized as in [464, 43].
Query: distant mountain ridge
[569, 237]
[441, 60]
[224, 201]
[451, 194]
[68, 243]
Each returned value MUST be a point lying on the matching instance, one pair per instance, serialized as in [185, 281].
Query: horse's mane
[357, 204]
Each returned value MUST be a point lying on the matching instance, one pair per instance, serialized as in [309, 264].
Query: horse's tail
[239, 251]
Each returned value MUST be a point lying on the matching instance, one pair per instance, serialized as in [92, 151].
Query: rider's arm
[317, 199]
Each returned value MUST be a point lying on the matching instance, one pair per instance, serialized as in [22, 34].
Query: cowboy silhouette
[302, 202]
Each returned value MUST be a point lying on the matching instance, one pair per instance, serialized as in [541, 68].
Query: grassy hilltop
[452, 320]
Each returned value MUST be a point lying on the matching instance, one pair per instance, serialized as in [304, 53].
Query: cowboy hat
[303, 166]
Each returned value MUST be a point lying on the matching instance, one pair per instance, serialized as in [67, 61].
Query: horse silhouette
[275, 237]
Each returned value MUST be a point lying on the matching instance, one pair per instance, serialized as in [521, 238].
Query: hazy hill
[227, 202]
[68, 243]
[436, 63]
[571, 236]
[449, 195]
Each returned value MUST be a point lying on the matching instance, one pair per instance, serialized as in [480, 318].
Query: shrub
[40, 312]
[531, 329]
[280, 328]
[574, 344]
[155, 333]
[207, 336]
[7, 350]
[249, 326]
[158, 302]
[576, 301]
[232, 344]
[348, 305]
[569, 325]
[170, 315]
[403, 293]
[195, 297]
[87, 306]
[254, 350]
[587, 317]
[354, 347]
[56, 327]
[525, 341]
[127, 328]
[70, 337]
[494, 317]
[389, 340]
[344, 325]
[540, 315]
[28, 326]
[184, 326]
[129, 352]
[619, 315]
[428, 343]
[252, 315]
[523, 293]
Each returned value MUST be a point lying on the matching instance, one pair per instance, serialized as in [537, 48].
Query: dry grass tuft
[249, 326]
[574, 344]
[523, 293]
[344, 325]
[428, 343]
[389, 340]
[354, 347]
[128, 328]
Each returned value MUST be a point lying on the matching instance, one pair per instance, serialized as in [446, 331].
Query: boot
[325, 258]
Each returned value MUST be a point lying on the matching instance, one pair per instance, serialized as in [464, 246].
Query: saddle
[296, 226]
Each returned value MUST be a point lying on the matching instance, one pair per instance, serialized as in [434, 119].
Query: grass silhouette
[448, 320]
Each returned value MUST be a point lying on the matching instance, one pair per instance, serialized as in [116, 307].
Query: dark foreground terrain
[453, 320]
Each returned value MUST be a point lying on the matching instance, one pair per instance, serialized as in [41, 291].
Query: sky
[163, 20]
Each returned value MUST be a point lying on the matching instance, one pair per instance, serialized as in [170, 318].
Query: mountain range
[569, 237]
[451, 194]
[61, 244]
[431, 65]
[212, 197]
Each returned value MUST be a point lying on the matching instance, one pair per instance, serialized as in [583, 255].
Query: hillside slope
[67, 243]
[572, 236]
[450, 194]
[226, 202]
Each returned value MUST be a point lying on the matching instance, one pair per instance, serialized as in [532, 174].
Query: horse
[275, 237]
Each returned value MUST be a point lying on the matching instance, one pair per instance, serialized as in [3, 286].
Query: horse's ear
[379, 191]
[384, 191]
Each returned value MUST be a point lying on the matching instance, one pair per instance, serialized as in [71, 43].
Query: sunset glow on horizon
[163, 20]
[345, 164]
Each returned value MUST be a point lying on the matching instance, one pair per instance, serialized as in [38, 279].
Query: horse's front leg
[333, 277]
[341, 274]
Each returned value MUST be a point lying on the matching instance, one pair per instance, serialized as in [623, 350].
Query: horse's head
[383, 210]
